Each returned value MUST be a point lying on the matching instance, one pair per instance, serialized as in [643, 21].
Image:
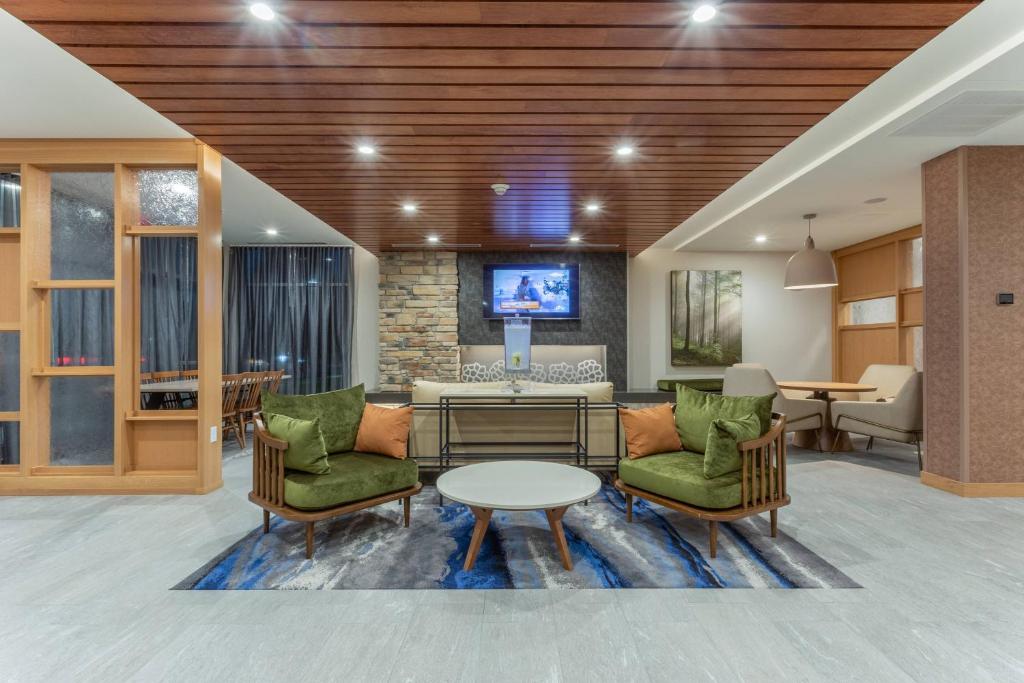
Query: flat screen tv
[532, 290]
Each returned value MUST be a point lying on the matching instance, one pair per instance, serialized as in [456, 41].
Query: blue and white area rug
[660, 549]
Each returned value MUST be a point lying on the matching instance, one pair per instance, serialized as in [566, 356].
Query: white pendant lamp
[810, 268]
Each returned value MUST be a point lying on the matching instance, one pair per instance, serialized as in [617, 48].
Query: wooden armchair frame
[762, 485]
[268, 488]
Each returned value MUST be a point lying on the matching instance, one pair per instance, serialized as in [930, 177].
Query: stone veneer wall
[419, 298]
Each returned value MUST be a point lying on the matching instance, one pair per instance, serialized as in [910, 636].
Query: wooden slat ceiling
[459, 95]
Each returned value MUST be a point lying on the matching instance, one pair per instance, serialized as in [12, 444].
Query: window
[872, 311]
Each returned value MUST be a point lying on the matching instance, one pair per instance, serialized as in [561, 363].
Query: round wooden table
[518, 485]
[827, 440]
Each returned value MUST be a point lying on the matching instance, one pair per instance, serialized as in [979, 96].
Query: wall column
[974, 371]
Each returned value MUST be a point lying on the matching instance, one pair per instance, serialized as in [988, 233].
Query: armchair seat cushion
[680, 476]
[354, 476]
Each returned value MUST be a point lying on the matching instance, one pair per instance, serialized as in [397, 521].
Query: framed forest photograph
[707, 317]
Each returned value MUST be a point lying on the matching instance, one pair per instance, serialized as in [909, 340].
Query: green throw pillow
[695, 410]
[339, 411]
[721, 454]
[306, 451]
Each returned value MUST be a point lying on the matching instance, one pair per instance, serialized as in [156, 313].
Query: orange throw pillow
[650, 431]
[384, 431]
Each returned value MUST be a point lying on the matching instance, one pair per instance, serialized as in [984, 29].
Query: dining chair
[802, 414]
[276, 377]
[190, 399]
[249, 398]
[898, 417]
[229, 408]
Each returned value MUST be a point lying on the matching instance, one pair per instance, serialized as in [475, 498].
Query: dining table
[156, 392]
[828, 438]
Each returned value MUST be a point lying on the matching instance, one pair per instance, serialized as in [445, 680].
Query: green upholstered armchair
[356, 481]
[677, 481]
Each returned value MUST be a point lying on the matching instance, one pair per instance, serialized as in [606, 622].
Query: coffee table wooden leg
[483, 518]
[555, 520]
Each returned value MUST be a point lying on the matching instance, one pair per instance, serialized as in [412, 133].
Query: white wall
[365, 349]
[788, 332]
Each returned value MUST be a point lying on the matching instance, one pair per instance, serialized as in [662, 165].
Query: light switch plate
[213, 435]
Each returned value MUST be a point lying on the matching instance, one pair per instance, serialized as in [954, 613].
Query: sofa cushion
[384, 431]
[339, 411]
[306, 451]
[695, 410]
[353, 477]
[680, 476]
[649, 431]
[721, 454]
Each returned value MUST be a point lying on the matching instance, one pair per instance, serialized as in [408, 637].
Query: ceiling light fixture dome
[704, 13]
[810, 268]
[262, 11]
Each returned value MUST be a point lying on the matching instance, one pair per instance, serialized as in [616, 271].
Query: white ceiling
[50, 94]
[853, 155]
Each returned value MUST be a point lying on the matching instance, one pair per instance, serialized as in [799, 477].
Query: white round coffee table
[518, 485]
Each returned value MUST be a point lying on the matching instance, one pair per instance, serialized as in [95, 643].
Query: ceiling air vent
[968, 114]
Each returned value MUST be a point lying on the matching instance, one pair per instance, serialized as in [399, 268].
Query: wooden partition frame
[874, 269]
[154, 451]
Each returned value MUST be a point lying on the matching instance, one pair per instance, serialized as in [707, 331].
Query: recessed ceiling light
[592, 208]
[271, 231]
[433, 239]
[624, 150]
[409, 208]
[366, 150]
[876, 200]
[262, 11]
[574, 238]
[761, 239]
[704, 13]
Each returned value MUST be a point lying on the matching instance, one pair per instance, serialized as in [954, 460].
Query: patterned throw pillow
[589, 371]
[474, 372]
[496, 373]
[561, 373]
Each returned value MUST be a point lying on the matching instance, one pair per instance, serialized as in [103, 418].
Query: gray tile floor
[84, 597]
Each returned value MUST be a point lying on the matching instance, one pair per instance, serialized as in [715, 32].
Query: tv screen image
[541, 290]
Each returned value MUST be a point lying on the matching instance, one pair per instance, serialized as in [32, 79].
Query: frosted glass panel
[914, 272]
[918, 344]
[81, 420]
[10, 200]
[82, 331]
[82, 224]
[872, 311]
[9, 371]
[9, 443]
[169, 197]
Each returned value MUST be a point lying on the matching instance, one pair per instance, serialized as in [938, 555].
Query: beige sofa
[506, 425]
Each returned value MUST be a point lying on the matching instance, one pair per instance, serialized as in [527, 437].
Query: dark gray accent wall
[602, 304]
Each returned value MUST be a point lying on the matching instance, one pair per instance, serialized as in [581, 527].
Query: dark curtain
[168, 304]
[290, 308]
[10, 205]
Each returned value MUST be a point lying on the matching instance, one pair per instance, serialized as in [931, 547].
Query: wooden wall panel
[534, 94]
[10, 269]
[867, 274]
[162, 446]
[862, 346]
[912, 307]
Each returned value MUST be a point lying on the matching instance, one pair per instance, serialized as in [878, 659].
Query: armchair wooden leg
[713, 533]
[871, 442]
[774, 514]
[309, 540]
[405, 509]
[629, 507]
[266, 521]
[817, 439]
